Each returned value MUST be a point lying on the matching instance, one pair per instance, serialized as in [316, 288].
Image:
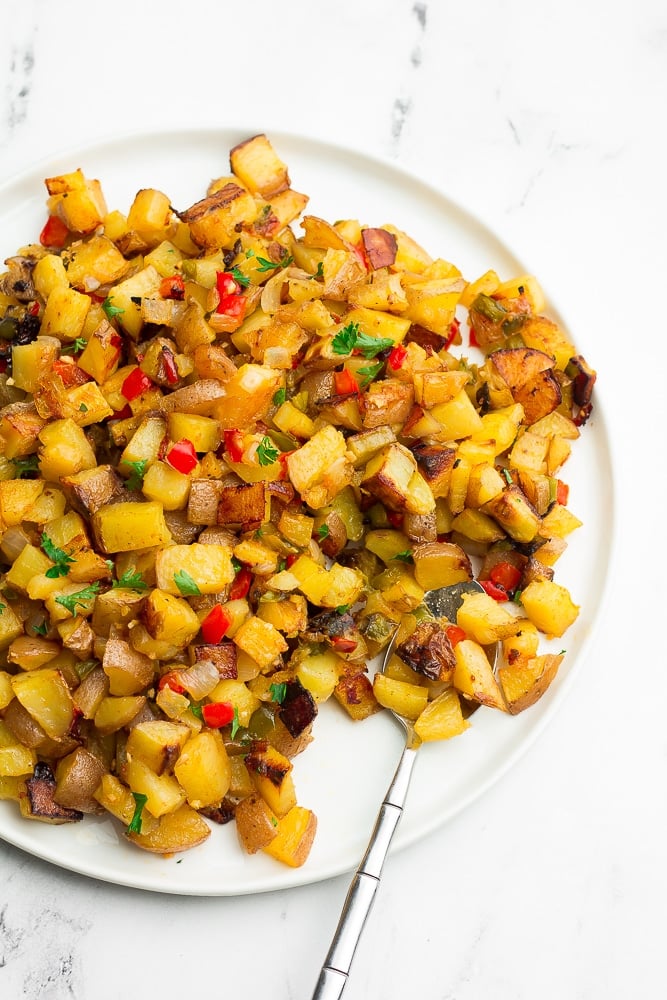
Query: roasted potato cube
[294, 837]
[524, 683]
[473, 675]
[121, 527]
[354, 692]
[209, 566]
[442, 718]
[407, 700]
[78, 776]
[270, 772]
[175, 831]
[129, 672]
[256, 826]
[549, 606]
[45, 695]
[258, 167]
[203, 769]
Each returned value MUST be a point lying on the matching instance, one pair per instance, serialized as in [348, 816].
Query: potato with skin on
[473, 675]
[524, 683]
[294, 838]
[174, 832]
[256, 825]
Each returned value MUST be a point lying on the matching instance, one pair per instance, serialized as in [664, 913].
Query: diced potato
[175, 831]
[256, 825]
[442, 718]
[65, 450]
[549, 606]
[114, 713]
[407, 700]
[524, 683]
[163, 793]
[294, 837]
[121, 527]
[65, 313]
[270, 773]
[261, 641]
[319, 673]
[46, 696]
[473, 675]
[203, 769]
[158, 743]
[237, 694]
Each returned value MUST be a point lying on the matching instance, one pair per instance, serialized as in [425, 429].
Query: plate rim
[38, 168]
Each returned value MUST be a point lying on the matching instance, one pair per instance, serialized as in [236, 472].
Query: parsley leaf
[370, 346]
[195, 708]
[76, 345]
[235, 722]
[267, 453]
[323, 531]
[350, 338]
[186, 584]
[345, 339]
[136, 478]
[2, 607]
[342, 608]
[280, 397]
[507, 475]
[319, 273]
[271, 265]
[369, 373]
[278, 692]
[58, 556]
[131, 581]
[40, 629]
[239, 277]
[25, 465]
[110, 309]
[70, 601]
[405, 556]
[140, 801]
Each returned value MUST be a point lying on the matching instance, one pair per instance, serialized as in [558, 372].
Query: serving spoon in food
[442, 603]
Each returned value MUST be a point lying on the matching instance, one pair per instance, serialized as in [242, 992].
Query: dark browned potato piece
[77, 777]
[244, 505]
[255, 824]
[91, 489]
[38, 802]
[435, 464]
[387, 402]
[380, 246]
[329, 532]
[223, 655]
[528, 373]
[429, 652]
[298, 708]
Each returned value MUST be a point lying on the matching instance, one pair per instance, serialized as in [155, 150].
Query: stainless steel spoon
[442, 603]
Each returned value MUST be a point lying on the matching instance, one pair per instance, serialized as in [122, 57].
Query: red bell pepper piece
[214, 626]
[241, 584]
[395, 518]
[472, 339]
[218, 713]
[562, 492]
[171, 680]
[455, 634]
[505, 575]
[493, 590]
[182, 456]
[360, 251]
[135, 383]
[54, 233]
[173, 287]
[291, 559]
[345, 383]
[234, 445]
[69, 372]
[343, 645]
[454, 328]
[232, 305]
[170, 369]
[397, 357]
[226, 284]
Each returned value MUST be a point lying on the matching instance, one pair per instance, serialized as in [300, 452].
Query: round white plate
[344, 773]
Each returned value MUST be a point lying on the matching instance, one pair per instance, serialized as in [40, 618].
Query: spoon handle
[363, 887]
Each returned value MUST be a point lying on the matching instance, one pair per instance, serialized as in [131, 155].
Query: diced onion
[200, 679]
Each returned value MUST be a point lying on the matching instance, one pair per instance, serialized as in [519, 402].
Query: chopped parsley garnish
[342, 608]
[136, 478]
[271, 265]
[57, 556]
[507, 476]
[239, 277]
[235, 722]
[195, 708]
[2, 607]
[405, 556]
[369, 373]
[278, 692]
[236, 565]
[83, 408]
[110, 309]
[76, 346]
[267, 453]
[131, 581]
[70, 601]
[319, 273]
[279, 397]
[140, 801]
[25, 465]
[350, 338]
[40, 629]
[323, 531]
[186, 584]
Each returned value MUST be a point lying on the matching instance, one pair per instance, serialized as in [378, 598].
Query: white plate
[344, 773]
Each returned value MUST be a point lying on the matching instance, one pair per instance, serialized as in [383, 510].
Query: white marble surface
[548, 121]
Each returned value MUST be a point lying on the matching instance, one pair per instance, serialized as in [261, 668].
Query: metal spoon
[442, 603]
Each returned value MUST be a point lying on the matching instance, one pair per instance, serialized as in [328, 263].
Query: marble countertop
[547, 121]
